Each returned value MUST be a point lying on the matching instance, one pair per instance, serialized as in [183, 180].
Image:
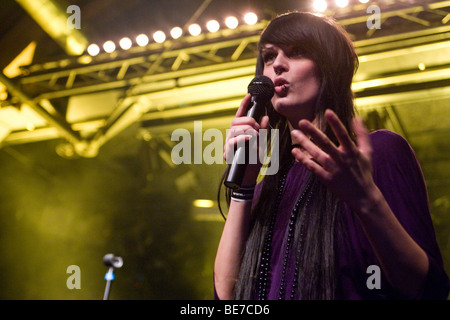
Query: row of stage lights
[159, 36]
[322, 5]
[195, 29]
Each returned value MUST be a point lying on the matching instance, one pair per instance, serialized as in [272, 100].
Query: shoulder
[387, 139]
[390, 145]
[393, 157]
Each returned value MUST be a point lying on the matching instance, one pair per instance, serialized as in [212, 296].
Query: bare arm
[231, 246]
[404, 262]
[236, 229]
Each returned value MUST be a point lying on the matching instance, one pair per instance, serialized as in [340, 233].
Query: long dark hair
[329, 46]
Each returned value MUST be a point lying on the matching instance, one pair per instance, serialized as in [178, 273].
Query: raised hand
[345, 169]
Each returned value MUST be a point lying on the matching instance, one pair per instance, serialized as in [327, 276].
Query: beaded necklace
[264, 267]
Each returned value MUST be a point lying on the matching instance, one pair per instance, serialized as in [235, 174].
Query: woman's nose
[280, 64]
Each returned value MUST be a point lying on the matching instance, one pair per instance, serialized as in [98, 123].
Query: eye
[296, 52]
[268, 56]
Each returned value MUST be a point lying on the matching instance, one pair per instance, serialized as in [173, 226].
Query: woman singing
[346, 216]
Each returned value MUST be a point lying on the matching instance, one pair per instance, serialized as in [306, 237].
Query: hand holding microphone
[261, 91]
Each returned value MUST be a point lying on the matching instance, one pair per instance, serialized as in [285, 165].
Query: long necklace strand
[289, 241]
[264, 267]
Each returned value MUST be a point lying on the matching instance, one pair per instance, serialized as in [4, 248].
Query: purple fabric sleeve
[398, 175]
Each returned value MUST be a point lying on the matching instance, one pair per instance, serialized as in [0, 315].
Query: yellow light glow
[421, 66]
[342, 3]
[142, 40]
[176, 32]
[3, 95]
[231, 22]
[13, 69]
[85, 59]
[203, 203]
[213, 26]
[93, 50]
[320, 5]
[109, 46]
[159, 36]
[53, 18]
[194, 29]
[251, 18]
[30, 126]
[125, 43]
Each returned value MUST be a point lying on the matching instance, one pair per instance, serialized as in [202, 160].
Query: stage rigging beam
[53, 20]
[53, 119]
[181, 77]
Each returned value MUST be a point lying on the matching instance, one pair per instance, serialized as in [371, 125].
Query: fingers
[363, 143]
[237, 135]
[310, 163]
[322, 148]
[243, 107]
[345, 169]
[264, 122]
[311, 155]
[340, 131]
[241, 121]
[320, 154]
[319, 138]
[362, 136]
[243, 128]
[316, 149]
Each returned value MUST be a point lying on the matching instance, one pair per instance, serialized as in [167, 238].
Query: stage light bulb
[250, 18]
[3, 95]
[142, 40]
[203, 203]
[125, 43]
[159, 36]
[195, 29]
[93, 50]
[342, 3]
[176, 32]
[213, 26]
[109, 46]
[320, 5]
[232, 22]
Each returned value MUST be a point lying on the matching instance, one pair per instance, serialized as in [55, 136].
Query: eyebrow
[267, 47]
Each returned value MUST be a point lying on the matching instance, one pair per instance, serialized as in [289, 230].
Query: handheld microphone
[262, 90]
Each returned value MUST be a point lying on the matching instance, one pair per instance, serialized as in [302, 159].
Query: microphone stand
[111, 262]
[109, 277]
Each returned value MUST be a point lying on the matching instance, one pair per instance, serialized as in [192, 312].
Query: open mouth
[281, 86]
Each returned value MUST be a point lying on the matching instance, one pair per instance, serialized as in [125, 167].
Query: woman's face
[296, 81]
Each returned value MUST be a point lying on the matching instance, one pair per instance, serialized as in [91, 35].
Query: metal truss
[165, 83]
[156, 62]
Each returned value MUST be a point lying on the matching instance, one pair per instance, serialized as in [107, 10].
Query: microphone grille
[261, 87]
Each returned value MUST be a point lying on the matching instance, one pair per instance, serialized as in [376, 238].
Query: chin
[295, 111]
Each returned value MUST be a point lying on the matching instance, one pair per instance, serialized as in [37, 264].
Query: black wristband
[243, 194]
